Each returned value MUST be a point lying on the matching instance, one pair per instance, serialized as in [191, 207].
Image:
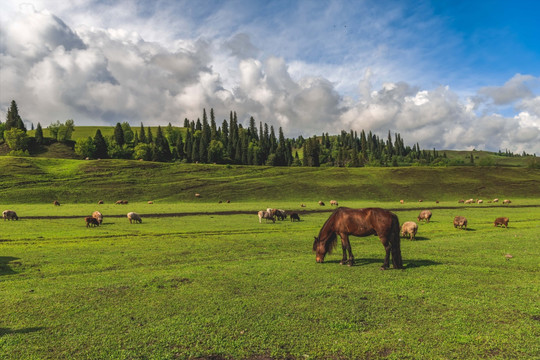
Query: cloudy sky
[448, 74]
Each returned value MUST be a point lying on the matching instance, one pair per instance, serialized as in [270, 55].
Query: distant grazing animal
[9, 215]
[100, 202]
[321, 203]
[302, 205]
[266, 215]
[271, 211]
[495, 200]
[470, 201]
[219, 202]
[424, 215]
[134, 217]
[503, 221]
[460, 221]
[294, 216]
[420, 200]
[150, 202]
[436, 201]
[461, 201]
[401, 201]
[228, 201]
[56, 203]
[91, 221]
[479, 201]
[360, 222]
[197, 195]
[121, 202]
[506, 201]
[281, 214]
[98, 216]
[409, 228]
[333, 202]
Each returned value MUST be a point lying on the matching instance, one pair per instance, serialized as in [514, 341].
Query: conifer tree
[161, 152]
[119, 134]
[13, 119]
[39, 134]
[101, 145]
[142, 136]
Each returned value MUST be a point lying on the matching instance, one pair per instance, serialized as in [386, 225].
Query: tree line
[204, 141]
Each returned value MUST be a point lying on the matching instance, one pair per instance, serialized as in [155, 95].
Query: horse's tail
[395, 242]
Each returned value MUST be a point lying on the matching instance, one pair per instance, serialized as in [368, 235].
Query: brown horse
[360, 222]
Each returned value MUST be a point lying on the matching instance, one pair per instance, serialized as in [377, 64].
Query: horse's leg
[387, 248]
[346, 246]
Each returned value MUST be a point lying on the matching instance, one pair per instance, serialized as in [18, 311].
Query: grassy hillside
[38, 180]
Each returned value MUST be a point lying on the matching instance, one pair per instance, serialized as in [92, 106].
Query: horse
[281, 214]
[294, 216]
[360, 222]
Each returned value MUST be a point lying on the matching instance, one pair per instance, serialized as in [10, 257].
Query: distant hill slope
[38, 180]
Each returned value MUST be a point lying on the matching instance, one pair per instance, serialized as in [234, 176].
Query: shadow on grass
[6, 331]
[4, 267]
[416, 238]
[408, 264]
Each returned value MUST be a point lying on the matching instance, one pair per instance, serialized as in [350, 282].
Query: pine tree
[142, 136]
[161, 152]
[119, 135]
[13, 120]
[101, 145]
[149, 136]
[39, 134]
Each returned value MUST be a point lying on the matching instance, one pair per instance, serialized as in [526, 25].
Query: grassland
[202, 280]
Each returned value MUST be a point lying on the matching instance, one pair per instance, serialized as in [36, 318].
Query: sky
[446, 74]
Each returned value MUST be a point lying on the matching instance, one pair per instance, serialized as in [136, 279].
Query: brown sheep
[503, 221]
[321, 203]
[495, 200]
[150, 202]
[333, 202]
[302, 205]
[409, 228]
[91, 221]
[401, 201]
[100, 202]
[56, 203]
[98, 216]
[424, 215]
[470, 201]
[197, 195]
[460, 221]
[506, 201]
[479, 201]
[134, 217]
[9, 215]
[461, 201]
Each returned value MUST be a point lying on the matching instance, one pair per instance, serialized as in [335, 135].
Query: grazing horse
[281, 214]
[266, 215]
[360, 222]
[294, 216]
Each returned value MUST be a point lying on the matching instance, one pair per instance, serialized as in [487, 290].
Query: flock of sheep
[410, 228]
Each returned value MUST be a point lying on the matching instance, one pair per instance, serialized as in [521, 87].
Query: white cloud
[101, 75]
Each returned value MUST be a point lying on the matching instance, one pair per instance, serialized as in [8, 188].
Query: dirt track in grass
[246, 212]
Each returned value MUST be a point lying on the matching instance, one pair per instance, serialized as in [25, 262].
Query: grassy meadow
[200, 279]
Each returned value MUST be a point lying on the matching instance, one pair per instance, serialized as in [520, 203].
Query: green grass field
[202, 280]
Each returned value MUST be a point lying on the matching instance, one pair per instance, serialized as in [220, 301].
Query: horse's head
[320, 250]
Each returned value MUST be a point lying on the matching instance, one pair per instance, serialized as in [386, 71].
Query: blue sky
[445, 74]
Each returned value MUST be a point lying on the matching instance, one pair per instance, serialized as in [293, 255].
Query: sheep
[470, 201]
[9, 215]
[98, 216]
[503, 221]
[134, 217]
[150, 202]
[479, 201]
[409, 228]
[100, 202]
[333, 202]
[495, 200]
[506, 201]
[91, 221]
[56, 203]
[460, 221]
[401, 201]
[424, 215]
[321, 203]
